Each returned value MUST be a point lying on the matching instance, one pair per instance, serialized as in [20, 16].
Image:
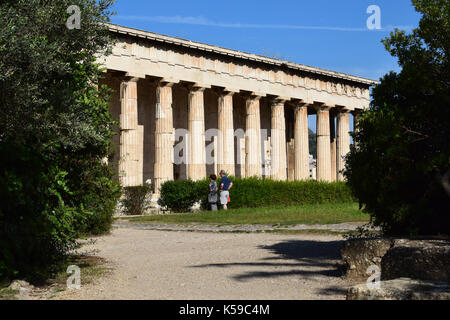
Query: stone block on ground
[401, 289]
[417, 259]
[360, 254]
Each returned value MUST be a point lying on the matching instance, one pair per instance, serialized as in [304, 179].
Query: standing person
[212, 195]
[225, 186]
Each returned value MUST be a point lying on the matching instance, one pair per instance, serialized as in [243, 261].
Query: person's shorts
[224, 197]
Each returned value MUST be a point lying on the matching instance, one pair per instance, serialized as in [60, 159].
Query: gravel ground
[152, 264]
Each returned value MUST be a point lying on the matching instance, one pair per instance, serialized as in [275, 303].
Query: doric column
[164, 135]
[333, 146]
[225, 151]
[196, 126]
[323, 144]
[343, 141]
[278, 141]
[301, 142]
[131, 136]
[253, 165]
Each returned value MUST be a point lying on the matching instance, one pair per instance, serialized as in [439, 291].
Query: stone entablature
[143, 53]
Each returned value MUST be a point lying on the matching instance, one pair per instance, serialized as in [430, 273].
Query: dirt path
[151, 264]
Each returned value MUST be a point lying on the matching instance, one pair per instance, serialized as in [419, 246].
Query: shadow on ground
[304, 258]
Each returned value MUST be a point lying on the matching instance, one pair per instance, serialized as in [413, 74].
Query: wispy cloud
[201, 21]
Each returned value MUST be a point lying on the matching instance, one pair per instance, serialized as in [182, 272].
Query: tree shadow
[304, 258]
[306, 249]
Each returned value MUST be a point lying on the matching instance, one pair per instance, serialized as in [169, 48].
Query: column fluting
[278, 141]
[253, 165]
[301, 142]
[225, 150]
[131, 136]
[196, 127]
[323, 144]
[164, 135]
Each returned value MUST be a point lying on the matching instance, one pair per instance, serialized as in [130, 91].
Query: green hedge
[180, 195]
[255, 192]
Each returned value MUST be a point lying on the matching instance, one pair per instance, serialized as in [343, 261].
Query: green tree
[401, 165]
[55, 128]
[312, 143]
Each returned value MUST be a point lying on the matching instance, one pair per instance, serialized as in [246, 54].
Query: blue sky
[322, 33]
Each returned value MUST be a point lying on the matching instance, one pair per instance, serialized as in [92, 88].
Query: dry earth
[150, 264]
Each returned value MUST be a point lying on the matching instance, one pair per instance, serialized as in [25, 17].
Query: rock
[23, 289]
[417, 259]
[397, 258]
[401, 289]
[360, 254]
[20, 285]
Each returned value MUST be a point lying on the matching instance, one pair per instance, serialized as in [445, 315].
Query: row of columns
[330, 149]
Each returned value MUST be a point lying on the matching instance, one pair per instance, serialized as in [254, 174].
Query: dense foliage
[134, 200]
[254, 193]
[179, 196]
[400, 168]
[55, 129]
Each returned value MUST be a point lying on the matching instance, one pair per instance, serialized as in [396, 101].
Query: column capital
[297, 104]
[356, 112]
[134, 75]
[278, 101]
[277, 109]
[165, 82]
[196, 87]
[342, 110]
[318, 106]
[224, 91]
[130, 79]
[256, 96]
[250, 99]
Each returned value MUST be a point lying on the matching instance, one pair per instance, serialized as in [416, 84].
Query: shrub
[180, 195]
[256, 192]
[36, 224]
[98, 193]
[134, 200]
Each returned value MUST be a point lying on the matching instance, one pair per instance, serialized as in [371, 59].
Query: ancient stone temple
[187, 110]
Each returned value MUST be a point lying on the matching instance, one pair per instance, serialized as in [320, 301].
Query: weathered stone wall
[360, 254]
[418, 259]
[410, 269]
